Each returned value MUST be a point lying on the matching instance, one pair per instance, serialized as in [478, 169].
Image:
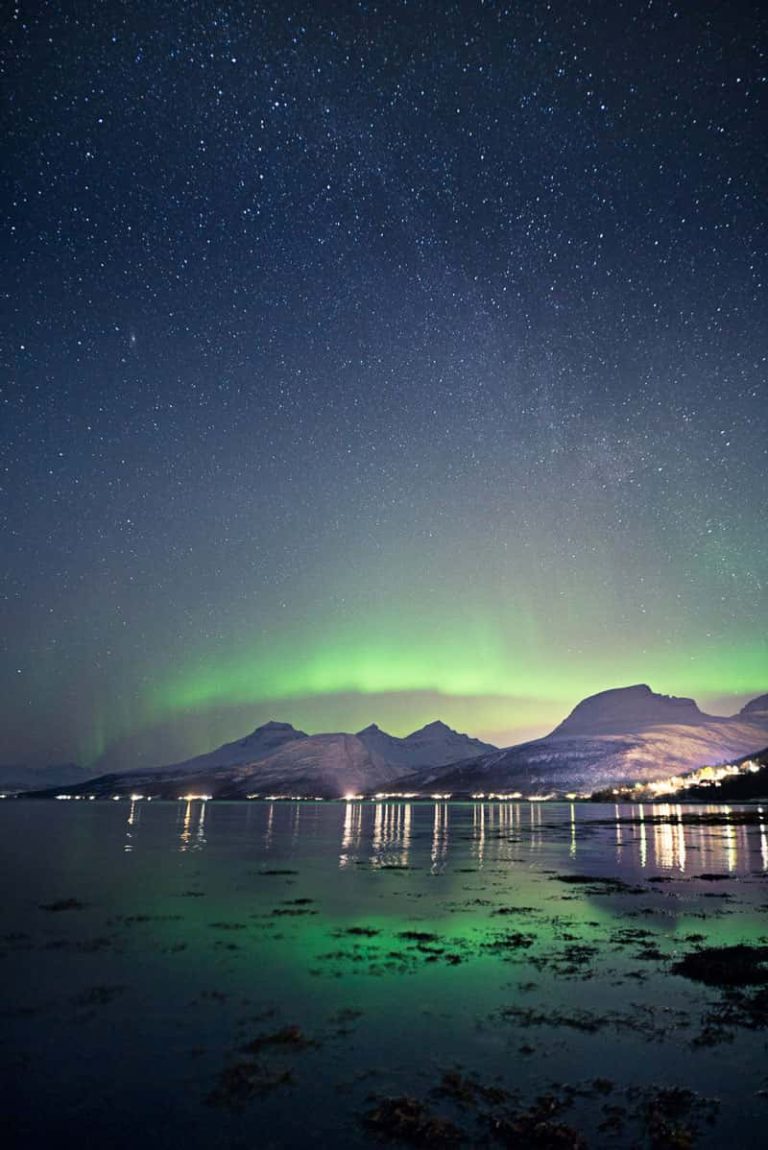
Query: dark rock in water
[535, 1129]
[606, 884]
[408, 1120]
[287, 1038]
[672, 1116]
[63, 904]
[469, 1091]
[726, 965]
[98, 996]
[243, 1081]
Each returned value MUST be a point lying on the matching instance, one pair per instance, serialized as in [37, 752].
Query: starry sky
[377, 362]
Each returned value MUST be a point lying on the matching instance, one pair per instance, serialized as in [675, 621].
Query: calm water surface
[151, 949]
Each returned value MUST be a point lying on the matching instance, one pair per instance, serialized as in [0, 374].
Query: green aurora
[477, 680]
[381, 666]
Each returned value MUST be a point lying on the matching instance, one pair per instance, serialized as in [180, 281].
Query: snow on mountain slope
[626, 709]
[265, 740]
[625, 735]
[326, 765]
[584, 763]
[434, 745]
[756, 708]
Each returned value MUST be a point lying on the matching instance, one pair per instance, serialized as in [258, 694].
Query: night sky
[377, 362]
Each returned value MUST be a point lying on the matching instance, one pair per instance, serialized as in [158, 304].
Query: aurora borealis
[377, 363]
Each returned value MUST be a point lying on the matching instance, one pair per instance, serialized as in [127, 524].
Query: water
[147, 945]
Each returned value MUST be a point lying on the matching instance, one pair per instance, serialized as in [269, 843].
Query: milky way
[377, 361]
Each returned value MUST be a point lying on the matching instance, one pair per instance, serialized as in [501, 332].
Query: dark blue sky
[377, 361]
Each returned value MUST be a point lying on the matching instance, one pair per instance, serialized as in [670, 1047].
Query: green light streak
[470, 662]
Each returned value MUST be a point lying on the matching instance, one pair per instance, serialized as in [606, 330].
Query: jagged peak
[438, 727]
[372, 729]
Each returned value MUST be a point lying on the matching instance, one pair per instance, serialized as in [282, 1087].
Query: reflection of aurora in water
[431, 919]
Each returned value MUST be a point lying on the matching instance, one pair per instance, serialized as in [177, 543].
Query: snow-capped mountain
[278, 758]
[326, 765]
[626, 709]
[755, 709]
[625, 735]
[434, 745]
[265, 740]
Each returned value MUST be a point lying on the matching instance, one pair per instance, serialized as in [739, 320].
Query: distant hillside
[19, 778]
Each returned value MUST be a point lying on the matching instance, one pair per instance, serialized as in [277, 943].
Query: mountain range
[277, 758]
[629, 734]
[619, 736]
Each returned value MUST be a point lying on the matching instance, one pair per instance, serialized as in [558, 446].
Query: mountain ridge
[614, 737]
[628, 708]
[277, 757]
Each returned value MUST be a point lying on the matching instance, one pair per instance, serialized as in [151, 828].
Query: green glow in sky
[478, 663]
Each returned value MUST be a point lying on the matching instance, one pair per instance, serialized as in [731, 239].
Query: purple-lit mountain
[756, 709]
[624, 735]
[276, 758]
[618, 736]
[431, 746]
[261, 743]
[625, 709]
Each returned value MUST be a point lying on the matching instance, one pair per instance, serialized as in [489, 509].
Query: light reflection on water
[391, 839]
[638, 837]
[192, 822]
[196, 923]
[134, 814]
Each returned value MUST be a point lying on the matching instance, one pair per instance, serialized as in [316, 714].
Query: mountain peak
[437, 729]
[624, 709]
[273, 725]
[758, 706]
[270, 730]
[371, 729]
